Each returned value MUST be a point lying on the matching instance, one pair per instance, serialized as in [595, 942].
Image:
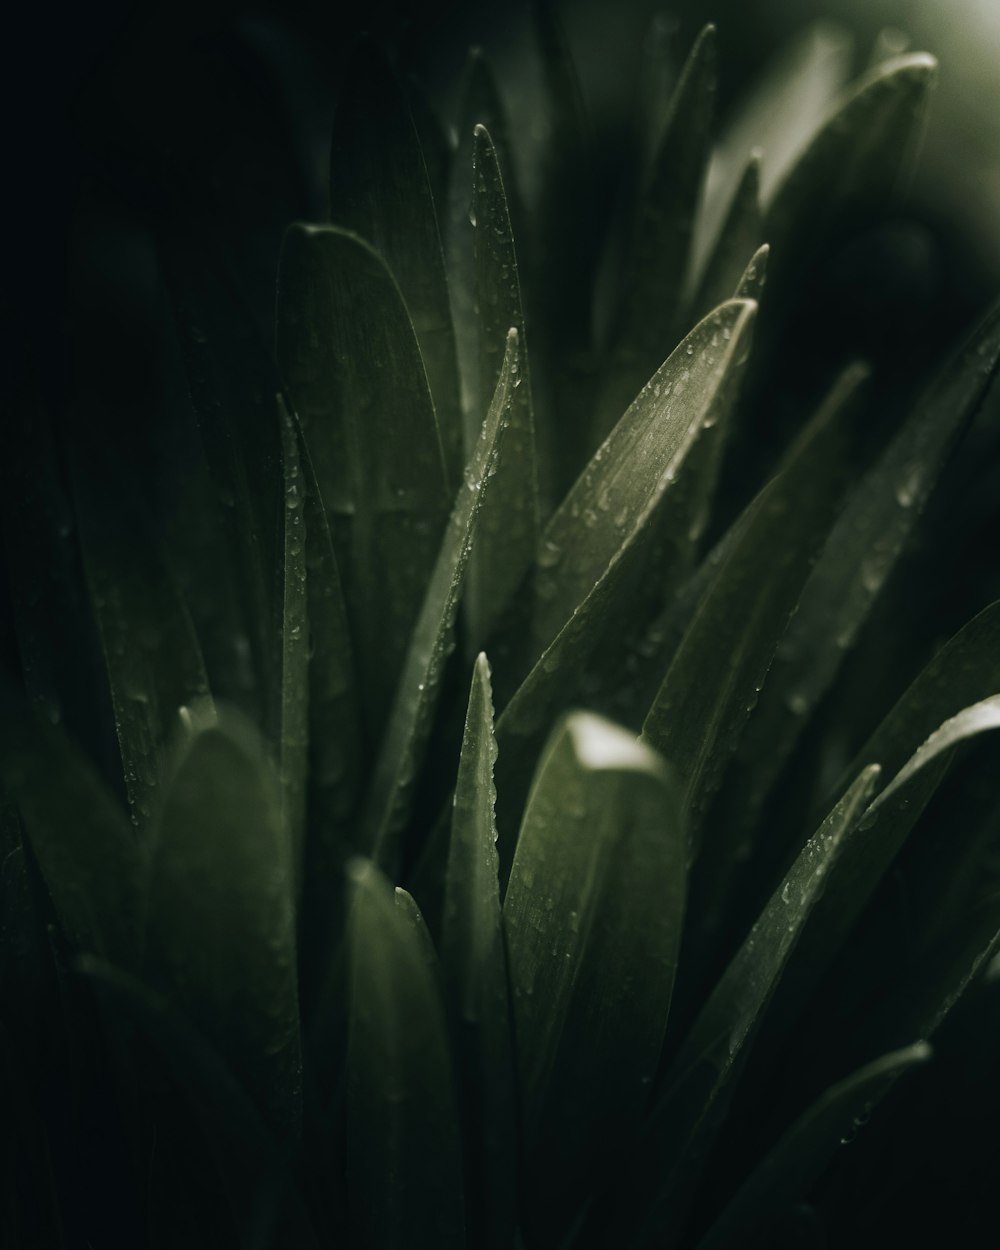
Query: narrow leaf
[636, 464]
[794, 1163]
[873, 846]
[293, 750]
[642, 502]
[404, 1162]
[475, 969]
[701, 706]
[220, 935]
[379, 189]
[863, 547]
[508, 536]
[699, 1086]
[593, 916]
[353, 368]
[432, 638]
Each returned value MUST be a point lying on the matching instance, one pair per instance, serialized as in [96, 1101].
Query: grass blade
[701, 707]
[593, 915]
[633, 468]
[699, 1086]
[88, 854]
[293, 630]
[857, 559]
[220, 932]
[432, 639]
[404, 1159]
[642, 501]
[794, 1163]
[475, 970]
[650, 320]
[508, 535]
[353, 368]
[379, 189]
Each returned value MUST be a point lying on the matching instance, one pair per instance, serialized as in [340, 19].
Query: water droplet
[549, 555]
[786, 892]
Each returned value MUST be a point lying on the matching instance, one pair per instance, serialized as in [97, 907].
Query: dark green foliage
[614, 946]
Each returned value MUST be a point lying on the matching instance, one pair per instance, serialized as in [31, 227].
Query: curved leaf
[593, 915]
[404, 1162]
[701, 707]
[855, 159]
[792, 1165]
[858, 557]
[699, 1086]
[379, 189]
[432, 640]
[353, 368]
[220, 930]
[642, 502]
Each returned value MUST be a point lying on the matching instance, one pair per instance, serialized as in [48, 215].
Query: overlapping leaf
[220, 929]
[593, 916]
[695, 1097]
[797, 1159]
[379, 189]
[432, 639]
[353, 367]
[404, 1160]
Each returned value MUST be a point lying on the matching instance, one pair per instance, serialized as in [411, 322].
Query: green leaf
[741, 236]
[872, 847]
[650, 319]
[701, 707]
[640, 505]
[379, 189]
[151, 654]
[432, 640]
[854, 161]
[404, 1162]
[293, 747]
[508, 534]
[92, 865]
[698, 1088]
[353, 368]
[795, 1162]
[636, 465]
[475, 970]
[857, 559]
[593, 915]
[480, 104]
[754, 277]
[959, 674]
[220, 931]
